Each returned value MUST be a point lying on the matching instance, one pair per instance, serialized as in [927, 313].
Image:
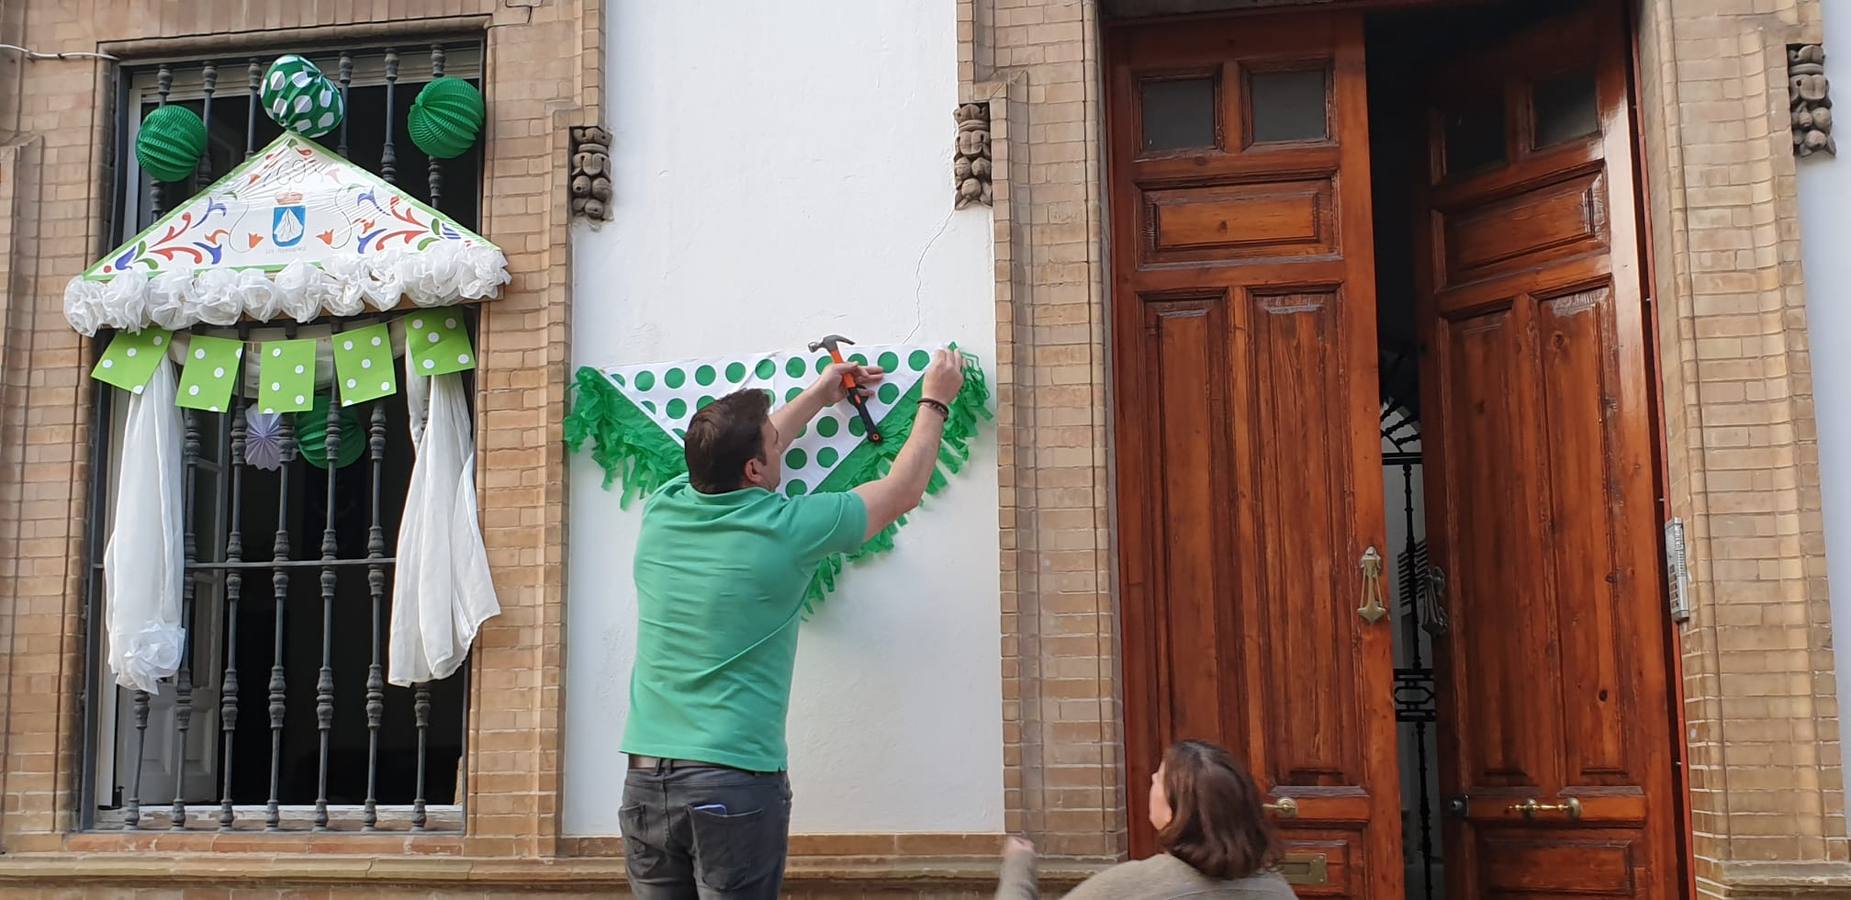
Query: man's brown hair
[1217, 824]
[723, 437]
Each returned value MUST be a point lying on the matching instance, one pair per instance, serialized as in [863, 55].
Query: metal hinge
[1677, 571]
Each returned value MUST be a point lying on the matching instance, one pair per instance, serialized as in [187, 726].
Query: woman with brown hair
[1216, 839]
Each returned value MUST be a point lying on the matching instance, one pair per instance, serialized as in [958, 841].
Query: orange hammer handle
[835, 353]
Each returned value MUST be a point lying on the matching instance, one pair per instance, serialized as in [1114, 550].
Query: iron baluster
[139, 704]
[436, 167]
[250, 108]
[376, 587]
[421, 711]
[330, 548]
[346, 81]
[388, 157]
[279, 580]
[234, 590]
[189, 585]
[209, 75]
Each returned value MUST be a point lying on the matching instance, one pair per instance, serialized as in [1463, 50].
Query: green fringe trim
[630, 447]
[625, 443]
[872, 461]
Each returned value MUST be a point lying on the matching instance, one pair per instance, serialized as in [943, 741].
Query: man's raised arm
[889, 498]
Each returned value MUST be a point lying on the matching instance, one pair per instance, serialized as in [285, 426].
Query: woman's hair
[1217, 824]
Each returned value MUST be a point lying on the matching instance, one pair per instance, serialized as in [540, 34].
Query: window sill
[345, 865]
[203, 819]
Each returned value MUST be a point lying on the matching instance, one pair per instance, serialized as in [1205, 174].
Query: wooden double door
[1253, 564]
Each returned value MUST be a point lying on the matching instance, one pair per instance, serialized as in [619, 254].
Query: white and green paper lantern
[297, 96]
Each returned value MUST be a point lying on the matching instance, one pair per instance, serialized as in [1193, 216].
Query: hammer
[831, 342]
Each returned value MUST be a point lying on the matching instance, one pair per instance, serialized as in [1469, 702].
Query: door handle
[1372, 609]
[1529, 808]
[1284, 808]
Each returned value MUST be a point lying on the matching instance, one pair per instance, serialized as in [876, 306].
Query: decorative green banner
[210, 371]
[286, 376]
[437, 344]
[634, 417]
[363, 364]
[129, 360]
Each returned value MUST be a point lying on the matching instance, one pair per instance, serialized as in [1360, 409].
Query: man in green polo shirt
[721, 567]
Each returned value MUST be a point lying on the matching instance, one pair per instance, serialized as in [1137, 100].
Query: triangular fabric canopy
[293, 231]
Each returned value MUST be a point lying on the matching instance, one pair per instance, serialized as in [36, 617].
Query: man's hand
[830, 389]
[944, 377]
[827, 390]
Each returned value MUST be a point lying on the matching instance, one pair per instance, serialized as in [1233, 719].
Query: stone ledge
[245, 869]
[1778, 880]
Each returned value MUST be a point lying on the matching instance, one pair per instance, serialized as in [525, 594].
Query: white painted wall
[783, 171]
[1825, 233]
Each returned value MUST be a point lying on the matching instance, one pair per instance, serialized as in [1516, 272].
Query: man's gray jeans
[707, 833]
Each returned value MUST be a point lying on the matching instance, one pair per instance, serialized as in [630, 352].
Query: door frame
[1685, 849]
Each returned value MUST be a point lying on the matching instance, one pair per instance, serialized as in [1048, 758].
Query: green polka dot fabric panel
[286, 372]
[129, 360]
[436, 343]
[363, 364]
[210, 371]
[671, 393]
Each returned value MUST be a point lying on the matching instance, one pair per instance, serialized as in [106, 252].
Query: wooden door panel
[1246, 434]
[1538, 434]
[1239, 220]
[1301, 638]
[1561, 217]
[1191, 525]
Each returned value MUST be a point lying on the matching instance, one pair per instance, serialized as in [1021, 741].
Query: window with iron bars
[280, 718]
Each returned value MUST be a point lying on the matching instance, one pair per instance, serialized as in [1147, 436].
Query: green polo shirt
[719, 583]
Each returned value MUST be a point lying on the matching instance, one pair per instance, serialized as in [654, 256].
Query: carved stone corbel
[1810, 95]
[591, 173]
[970, 163]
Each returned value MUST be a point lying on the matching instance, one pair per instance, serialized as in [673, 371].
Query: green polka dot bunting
[131, 358]
[363, 364]
[297, 96]
[437, 343]
[286, 376]
[210, 371]
[672, 393]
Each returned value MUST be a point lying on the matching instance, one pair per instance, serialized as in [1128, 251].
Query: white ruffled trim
[446, 273]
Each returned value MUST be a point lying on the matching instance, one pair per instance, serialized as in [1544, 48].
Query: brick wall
[1038, 60]
[1760, 700]
[542, 73]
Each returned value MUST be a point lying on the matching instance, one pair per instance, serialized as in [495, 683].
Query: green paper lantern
[446, 118]
[170, 143]
[297, 96]
[312, 435]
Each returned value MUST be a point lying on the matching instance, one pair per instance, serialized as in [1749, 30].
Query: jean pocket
[642, 860]
[735, 851]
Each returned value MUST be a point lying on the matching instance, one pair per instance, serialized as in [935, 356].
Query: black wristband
[930, 403]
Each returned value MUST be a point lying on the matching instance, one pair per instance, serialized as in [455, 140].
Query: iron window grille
[288, 572]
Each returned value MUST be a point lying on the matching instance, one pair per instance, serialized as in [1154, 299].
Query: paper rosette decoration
[446, 118]
[297, 96]
[170, 143]
[263, 442]
[636, 416]
[293, 231]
